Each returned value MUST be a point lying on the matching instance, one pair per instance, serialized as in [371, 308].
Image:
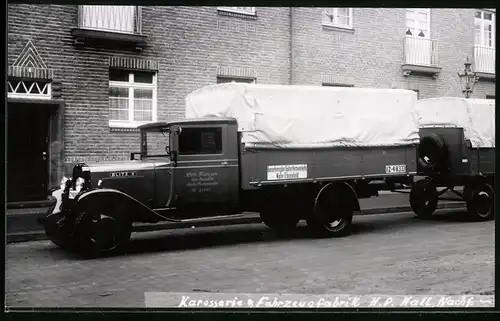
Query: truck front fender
[139, 211]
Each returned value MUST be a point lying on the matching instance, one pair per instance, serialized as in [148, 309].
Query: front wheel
[102, 230]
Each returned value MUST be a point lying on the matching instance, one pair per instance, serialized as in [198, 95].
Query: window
[338, 17]
[418, 22]
[124, 19]
[490, 96]
[336, 85]
[132, 98]
[222, 80]
[195, 141]
[244, 10]
[484, 28]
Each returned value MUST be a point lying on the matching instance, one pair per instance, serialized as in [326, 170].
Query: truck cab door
[205, 169]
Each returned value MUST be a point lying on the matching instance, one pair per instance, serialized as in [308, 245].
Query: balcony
[484, 62]
[420, 56]
[109, 25]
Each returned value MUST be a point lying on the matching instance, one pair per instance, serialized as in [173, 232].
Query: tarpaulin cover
[475, 116]
[282, 116]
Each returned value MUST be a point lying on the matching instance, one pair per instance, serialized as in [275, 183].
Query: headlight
[79, 183]
[78, 187]
[64, 180]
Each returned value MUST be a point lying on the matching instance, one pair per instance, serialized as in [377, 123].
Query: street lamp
[468, 79]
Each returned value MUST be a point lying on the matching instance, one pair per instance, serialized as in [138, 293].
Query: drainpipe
[292, 56]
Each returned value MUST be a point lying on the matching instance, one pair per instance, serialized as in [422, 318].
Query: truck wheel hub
[483, 203]
[101, 231]
[335, 223]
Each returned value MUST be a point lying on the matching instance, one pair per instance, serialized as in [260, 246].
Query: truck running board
[211, 218]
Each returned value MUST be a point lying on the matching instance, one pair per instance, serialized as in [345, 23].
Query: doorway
[27, 152]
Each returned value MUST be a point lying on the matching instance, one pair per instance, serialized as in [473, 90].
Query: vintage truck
[456, 149]
[286, 152]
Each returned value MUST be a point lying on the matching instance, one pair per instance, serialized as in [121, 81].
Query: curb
[251, 218]
[403, 209]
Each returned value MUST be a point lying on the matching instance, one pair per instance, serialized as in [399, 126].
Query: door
[27, 152]
[206, 174]
[418, 37]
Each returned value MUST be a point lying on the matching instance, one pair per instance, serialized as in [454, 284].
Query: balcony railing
[484, 59]
[420, 51]
[121, 19]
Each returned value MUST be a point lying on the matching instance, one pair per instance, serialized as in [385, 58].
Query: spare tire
[432, 152]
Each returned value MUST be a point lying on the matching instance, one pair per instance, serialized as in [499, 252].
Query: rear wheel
[333, 212]
[423, 198]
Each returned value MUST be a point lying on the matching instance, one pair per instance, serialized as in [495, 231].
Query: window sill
[338, 28]
[86, 36]
[485, 76]
[485, 46]
[238, 14]
[409, 69]
[125, 127]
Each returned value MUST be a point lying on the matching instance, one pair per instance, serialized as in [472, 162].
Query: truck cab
[204, 167]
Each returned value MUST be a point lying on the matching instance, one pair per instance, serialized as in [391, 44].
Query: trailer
[456, 150]
[290, 153]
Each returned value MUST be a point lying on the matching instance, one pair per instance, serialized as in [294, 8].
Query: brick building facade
[85, 65]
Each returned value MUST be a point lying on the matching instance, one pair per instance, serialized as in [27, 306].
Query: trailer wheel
[423, 198]
[480, 202]
[333, 211]
[102, 229]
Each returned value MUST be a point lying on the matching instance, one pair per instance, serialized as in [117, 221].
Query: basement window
[222, 80]
[326, 84]
[241, 10]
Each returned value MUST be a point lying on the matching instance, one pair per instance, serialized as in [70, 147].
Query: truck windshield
[156, 143]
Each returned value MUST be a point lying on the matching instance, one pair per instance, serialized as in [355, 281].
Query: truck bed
[279, 166]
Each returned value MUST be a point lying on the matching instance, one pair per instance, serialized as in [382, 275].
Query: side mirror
[174, 144]
[173, 157]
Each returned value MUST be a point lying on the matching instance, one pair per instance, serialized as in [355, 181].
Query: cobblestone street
[386, 254]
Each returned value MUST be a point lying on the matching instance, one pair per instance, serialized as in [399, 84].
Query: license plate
[390, 169]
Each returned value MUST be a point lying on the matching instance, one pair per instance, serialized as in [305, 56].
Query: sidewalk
[22, 225]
